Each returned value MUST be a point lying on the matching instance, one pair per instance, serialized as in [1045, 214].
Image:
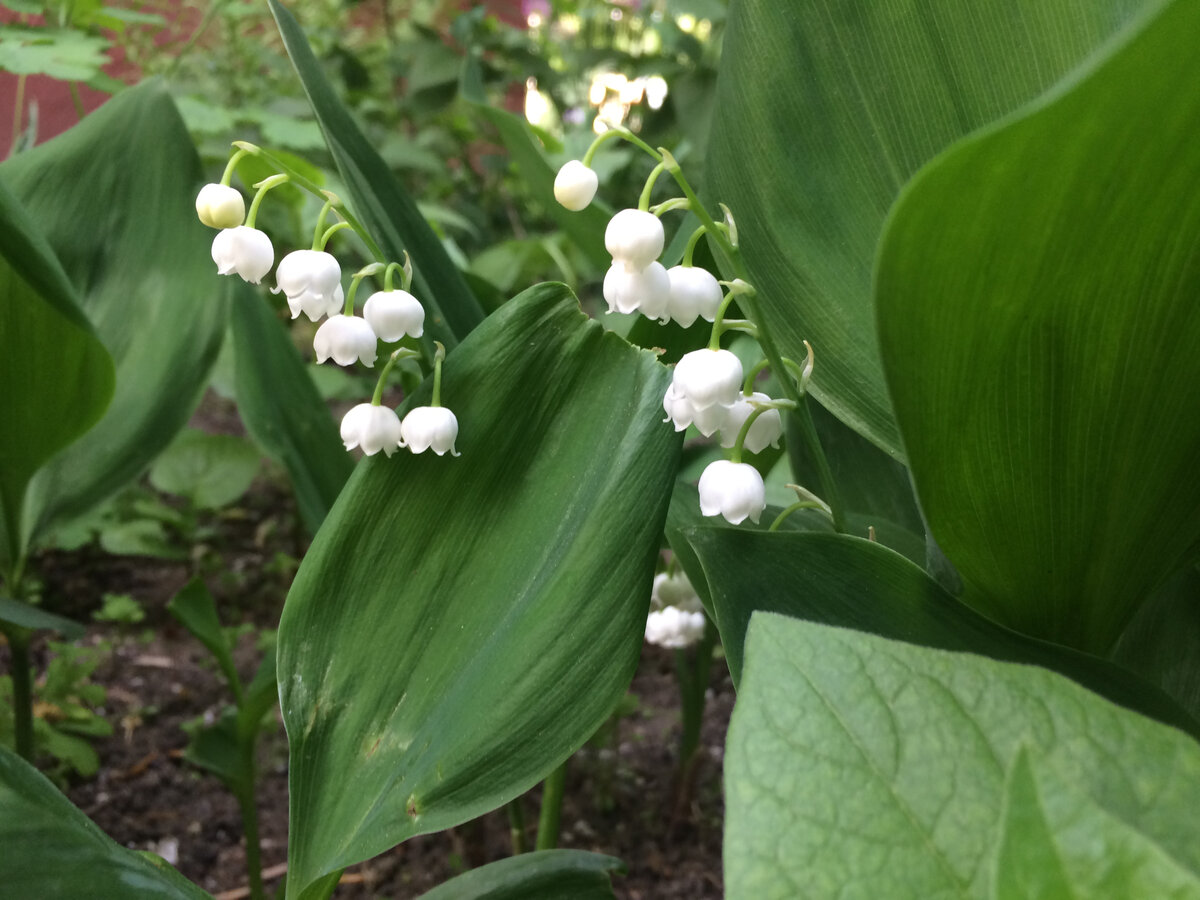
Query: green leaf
[14, 612]
[51, 849]
[858, 765]
[216, 749]
[64, 54]
[1041, 353]
[848, 582]
[385, 208]
[542, 875]
[1058, 842]
[210, 470]
[460, 626]
[861, 96]
[57, 376]
[196, 610]
[283, 410]
[115, 196]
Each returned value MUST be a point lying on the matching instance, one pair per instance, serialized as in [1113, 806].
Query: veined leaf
[542, 875]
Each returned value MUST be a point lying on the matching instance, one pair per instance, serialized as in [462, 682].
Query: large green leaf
[861, 95]
[284, 412]
[115, 198]
[543, 875]
[52, 851]
[461, 625]
[57, 376]
[852, 583]
[1041, 352]
[385, 208]
[859, 766]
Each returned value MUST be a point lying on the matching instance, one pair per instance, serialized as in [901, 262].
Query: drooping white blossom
[765, 431]
[643, 290]
[674, 589]
[733, 490]
[243, 251]
[674, 628]
[310, 279]
[575, 185]
[634, 237]
[695, 293]
[680, 411]
[220, 206]
[373, 428]
[394, 314]
[346, 339]
[429, 427]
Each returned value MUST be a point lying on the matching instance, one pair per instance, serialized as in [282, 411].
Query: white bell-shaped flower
[630, 290]
[765, 432]
[708, 377]
[243, 251]
[220, 206]
[634, 237]
[680, 411]
[674, 590]
[371, 427]
[429, 427]
[674, 628]
[394, 314]
[733, 490]
[695, 293]
[310, 279]
[346, 339]
[575, 185]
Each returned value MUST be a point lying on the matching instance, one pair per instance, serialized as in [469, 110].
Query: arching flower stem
[402, 353]
[262, 187]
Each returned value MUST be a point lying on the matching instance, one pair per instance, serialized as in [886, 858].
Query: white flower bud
[674, 628]
[371, 427]
[766, 430]
[674, 590]
[575, 185]
[634, 237]
[429, 427]
[243, 251]
[643, 290]
[707, 377]
[733, 490]
[345, 338]
[695, 292]
[393, 314]
[310, 279]
[220, 206]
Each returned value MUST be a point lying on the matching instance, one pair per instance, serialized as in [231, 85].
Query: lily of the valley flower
[575, 185]
[429, 427]
[345, 338]
[394, 314]
[764, 431]
[310, 279]
[373, 428]
[674, 628]
[733, 490]
[220, 206]
[695, 293]
[704, 380]
[243, 251]
[676, 590]
[634, 237]
[643, 290]
[680, 411]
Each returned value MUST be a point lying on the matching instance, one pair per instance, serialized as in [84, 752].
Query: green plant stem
[18, 645]
[249, 810]
[516, 825]
[693, 673]
[551, 812]
[829, 488]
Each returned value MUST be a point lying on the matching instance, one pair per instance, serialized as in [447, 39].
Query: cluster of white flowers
[311, 280]
[676, 617]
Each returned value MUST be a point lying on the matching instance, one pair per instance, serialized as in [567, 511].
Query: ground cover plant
[918, 447]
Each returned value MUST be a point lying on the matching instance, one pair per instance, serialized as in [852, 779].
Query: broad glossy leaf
[839, 580]
[115, 196]
[52, 850]
[57, 376]
[1041, 352]
[386, 209]
[861, 766]
[542, 875]
[461, 625]
[283, 410]
[1058, 842]
[209, 470]
[861, 96]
